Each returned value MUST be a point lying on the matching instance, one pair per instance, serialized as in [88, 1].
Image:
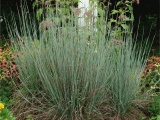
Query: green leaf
[51, 10]
[56, 20]
[126, 19]
[125, 26]
[118, 3]
[127, 1]
[39, 13]
[114, 11]
[112, 20]
[100, 11]
[34, 4]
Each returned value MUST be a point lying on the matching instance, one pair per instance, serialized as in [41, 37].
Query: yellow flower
[10, 116]
[2, 78]
[5, 119]
[1, 106]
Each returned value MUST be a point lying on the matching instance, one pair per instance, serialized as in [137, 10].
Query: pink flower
[47, 2]
[88, 14]
[76, 11]
[149, 65]
[121, 17]
[1, 64]
[46, 24]
[5, 63]
[117, 41]
[150, 60]
[153, 66]
[135, 1]
[156, 58]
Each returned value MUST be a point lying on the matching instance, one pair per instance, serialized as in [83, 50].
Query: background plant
[121, 27]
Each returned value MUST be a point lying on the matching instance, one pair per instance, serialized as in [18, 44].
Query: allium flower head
[88, 14]
[121, 17]
[76, 11]
[47, 2]
[115, 41]
[45, 25]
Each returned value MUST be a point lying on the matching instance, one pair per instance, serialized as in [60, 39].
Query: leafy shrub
[5, 114]
[154, 108]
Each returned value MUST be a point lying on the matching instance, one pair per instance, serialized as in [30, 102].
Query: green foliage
[154, 108]
[117, 31]
[5, 114]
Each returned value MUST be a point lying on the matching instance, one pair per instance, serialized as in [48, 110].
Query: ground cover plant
[65, 75]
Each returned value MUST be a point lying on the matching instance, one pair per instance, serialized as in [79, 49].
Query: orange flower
[5, 63]
[5, 71]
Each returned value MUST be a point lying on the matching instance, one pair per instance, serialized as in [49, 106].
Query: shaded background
[146, 10]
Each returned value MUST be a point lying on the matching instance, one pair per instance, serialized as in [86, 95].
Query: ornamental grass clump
[65, 76]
